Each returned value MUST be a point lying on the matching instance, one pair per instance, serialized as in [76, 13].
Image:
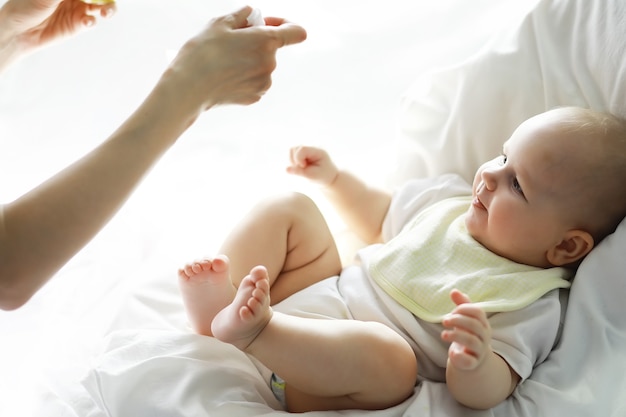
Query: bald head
[592, 167]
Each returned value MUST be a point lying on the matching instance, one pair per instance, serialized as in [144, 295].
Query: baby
[478, 267]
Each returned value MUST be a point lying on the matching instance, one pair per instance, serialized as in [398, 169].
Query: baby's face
[519, 206]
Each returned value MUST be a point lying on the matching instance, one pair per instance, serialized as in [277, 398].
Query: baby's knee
[289, 203]
[397, 363]
[299, 204]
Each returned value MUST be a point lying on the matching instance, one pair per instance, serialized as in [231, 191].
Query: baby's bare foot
[240, 322]
[206, 289]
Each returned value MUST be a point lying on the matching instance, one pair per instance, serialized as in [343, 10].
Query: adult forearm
[50, 224]
[10, 50]
[484, 387]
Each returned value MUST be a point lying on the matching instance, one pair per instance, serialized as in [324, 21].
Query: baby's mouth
[476, 202]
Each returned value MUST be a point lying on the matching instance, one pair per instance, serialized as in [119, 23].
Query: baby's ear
[574, 246]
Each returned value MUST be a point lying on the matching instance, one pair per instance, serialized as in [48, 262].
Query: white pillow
[562, 53]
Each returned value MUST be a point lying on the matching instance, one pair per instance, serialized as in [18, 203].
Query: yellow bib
[434, 253]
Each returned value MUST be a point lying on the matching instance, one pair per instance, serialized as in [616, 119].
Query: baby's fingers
[471, 343]
[297, 160]
[458, 297]
[467, 323]
[305, 161]
[297, 156]
[460, 358]
[304, 156]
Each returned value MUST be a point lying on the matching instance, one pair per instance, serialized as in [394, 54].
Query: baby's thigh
[311, 253]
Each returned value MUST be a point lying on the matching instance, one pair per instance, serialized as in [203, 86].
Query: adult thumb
[286, 33]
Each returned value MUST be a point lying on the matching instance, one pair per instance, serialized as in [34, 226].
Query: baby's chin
[470, 228]
[510, 256]
[478, 238]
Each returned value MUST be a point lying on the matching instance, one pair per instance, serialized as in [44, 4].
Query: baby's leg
[326, 364]
[289, 236]
[206, 289]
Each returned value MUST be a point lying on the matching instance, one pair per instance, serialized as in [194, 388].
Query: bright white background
[340, 89]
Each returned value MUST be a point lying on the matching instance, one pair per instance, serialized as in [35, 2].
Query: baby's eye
[503, 159]
[517, 187]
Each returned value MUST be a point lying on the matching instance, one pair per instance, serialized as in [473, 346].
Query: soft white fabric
[161, 373]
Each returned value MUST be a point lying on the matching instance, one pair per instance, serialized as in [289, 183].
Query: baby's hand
[468, 332]
[312, 163]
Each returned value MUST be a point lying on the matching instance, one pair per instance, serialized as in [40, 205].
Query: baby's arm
[362, 207]
[476, 376]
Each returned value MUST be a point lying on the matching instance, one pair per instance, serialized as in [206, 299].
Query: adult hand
[229, 62]
[226, 63]
[34, 23]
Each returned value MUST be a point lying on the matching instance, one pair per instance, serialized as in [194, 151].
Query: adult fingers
[108, 10]
[286, 33]
[102, 10]
[237, 19]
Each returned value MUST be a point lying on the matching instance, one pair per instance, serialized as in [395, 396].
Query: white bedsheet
[114, 313]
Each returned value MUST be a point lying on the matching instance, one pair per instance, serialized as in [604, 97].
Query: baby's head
[599, 171]
[557, 190]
